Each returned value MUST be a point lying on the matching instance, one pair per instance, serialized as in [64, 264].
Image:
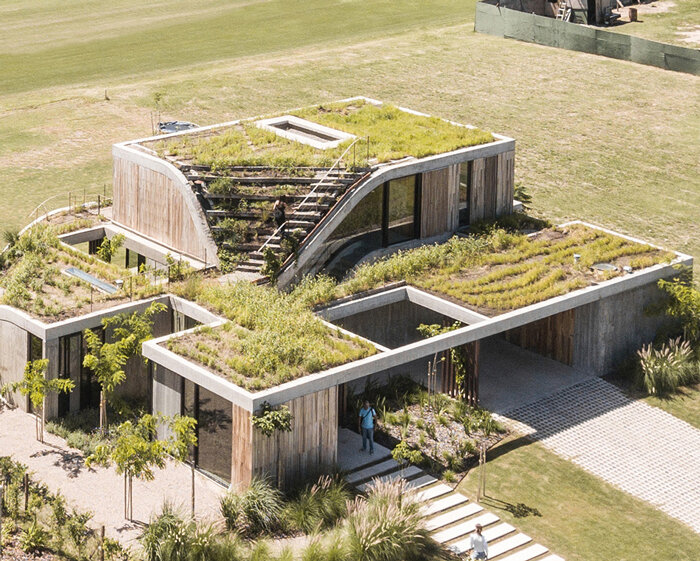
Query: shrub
[319, 506]
[665, 369]
[387, 526]
[403, 453]
[33, 538]
[160, 527]
[254, 511]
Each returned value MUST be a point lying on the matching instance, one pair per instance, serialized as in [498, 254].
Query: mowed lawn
[608, 141]
[581, 517]
[668, 21]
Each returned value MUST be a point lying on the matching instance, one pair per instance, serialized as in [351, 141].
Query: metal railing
[313, 190]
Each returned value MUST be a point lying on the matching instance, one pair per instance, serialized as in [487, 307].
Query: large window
[388, 215]
[400, 197]
[214, 425]
[69, 366]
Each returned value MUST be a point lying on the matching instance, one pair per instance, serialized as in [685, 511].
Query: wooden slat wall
[552, 336]
[505, 183]
[477, 193]
[492, 184]
[149, 202]
[439, 201]
[13, 357]
[310, 447]
[241, 448]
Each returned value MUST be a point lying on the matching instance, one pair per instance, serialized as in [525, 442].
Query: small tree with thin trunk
[136, 450]
[184, 437]
[35, 385]
[107, 360]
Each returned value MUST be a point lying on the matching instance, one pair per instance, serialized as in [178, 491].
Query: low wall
[551, 32]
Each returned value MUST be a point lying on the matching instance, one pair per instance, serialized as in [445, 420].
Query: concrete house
[533, 312]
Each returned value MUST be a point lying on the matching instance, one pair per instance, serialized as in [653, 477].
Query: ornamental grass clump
[665, 369]
[254, 511]
[388, 526]
[319, 506]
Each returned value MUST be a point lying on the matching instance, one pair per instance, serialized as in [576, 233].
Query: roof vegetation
[393, 134]
[498, 271]
[271, 337]
[33, 277]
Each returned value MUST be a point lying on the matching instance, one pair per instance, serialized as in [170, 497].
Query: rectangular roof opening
[306, 132]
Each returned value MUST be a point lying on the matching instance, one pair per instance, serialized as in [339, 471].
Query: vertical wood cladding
[552, 336]
[439, 201]
[149, 202]
[492, 184]
[288, 457]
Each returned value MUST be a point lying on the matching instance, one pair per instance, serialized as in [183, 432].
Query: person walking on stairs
[478, 544]
[366, 425]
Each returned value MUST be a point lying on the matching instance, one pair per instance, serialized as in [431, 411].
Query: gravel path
[639, 448]
[101, 490]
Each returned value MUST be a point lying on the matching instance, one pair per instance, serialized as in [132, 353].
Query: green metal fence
[542, 30]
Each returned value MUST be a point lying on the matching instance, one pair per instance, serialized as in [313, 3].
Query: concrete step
[507, 545]
[421, 481]
[453, 516]
[410, 471]
[433, 492]
[526, 554]
[465, 528]
[443, 504]
[371, 471]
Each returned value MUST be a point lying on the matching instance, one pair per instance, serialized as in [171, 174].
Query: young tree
[35, 385]
[137, 450]
[107, 360]
[184, 437]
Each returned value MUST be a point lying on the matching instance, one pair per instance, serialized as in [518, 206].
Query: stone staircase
[238, 205]
[450, 516]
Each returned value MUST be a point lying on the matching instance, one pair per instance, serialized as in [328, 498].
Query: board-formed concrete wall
[13, 357]
[513, 24]
[608, 331]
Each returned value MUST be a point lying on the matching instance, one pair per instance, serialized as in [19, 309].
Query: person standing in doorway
[478, 544]
[366, 424]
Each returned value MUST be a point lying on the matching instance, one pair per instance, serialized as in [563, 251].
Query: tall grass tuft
[256, 510]
[665, 369]
[319, 506]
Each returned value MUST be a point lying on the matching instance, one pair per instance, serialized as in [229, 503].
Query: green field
[581, 517]
[668, 21]
[608, 141]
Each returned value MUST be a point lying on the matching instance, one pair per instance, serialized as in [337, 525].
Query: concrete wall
[392, 325]
[13, 357]
[502, 22]
[608, 331]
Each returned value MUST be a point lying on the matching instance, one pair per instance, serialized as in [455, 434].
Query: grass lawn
[629, 163]
[582, 517]
[668, 21]
[684, 404]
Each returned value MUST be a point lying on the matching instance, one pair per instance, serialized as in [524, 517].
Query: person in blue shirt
[366, 425]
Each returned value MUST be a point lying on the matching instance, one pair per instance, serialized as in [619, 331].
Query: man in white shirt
[478, 545]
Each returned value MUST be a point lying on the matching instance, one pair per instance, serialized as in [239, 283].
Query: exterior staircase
[238, 206]
[449, 516]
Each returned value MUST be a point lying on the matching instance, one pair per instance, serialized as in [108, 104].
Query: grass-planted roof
[500, 271]
[33, 279]
[393, 134]
[270, 338]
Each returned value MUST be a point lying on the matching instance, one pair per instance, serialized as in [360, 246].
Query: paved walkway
[636, 447]
[450, 516]
[100, 490]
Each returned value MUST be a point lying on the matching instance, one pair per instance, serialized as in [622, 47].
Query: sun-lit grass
[271, 337]
[500, 271]
[582, 517]
[386, 133]
[674, 17]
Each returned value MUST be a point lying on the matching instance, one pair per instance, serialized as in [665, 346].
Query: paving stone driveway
[639, 448]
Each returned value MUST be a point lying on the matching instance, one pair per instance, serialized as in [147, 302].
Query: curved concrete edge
[23, 320]
[125, 151]
[308, 257]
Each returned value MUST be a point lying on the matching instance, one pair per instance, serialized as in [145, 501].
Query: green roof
[386, 133]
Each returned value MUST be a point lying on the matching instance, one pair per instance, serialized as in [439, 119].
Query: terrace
[53, 281]
[308, 157]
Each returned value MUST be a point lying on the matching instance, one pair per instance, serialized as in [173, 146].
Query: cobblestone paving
[636, 447]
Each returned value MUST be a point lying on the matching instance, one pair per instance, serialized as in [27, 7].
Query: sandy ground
[100, 490]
